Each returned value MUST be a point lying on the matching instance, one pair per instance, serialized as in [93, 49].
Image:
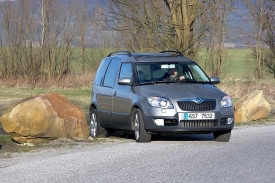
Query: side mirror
[124, 81]
[215, 80]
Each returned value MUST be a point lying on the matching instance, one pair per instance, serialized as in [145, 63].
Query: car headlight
[160, 102]
[226, 102]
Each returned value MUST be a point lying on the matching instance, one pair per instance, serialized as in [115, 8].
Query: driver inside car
[172, 75]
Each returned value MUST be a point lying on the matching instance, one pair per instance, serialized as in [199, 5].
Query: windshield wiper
[187, 80]
[156, 82]
[166, 81]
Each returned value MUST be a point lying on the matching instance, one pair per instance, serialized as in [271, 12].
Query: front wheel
[141, 134]
[222, 136]
[95, 128]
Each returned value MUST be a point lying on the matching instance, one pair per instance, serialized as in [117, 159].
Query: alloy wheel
[136, 126]
[93, 125]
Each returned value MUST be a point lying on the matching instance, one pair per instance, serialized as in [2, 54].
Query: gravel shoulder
[69, 146]
[55, 148]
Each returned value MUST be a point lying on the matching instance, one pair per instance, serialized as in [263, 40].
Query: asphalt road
[248, 157]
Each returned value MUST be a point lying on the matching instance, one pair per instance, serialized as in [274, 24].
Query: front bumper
[174, 122]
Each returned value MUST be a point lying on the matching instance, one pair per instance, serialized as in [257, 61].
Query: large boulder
[44, 117]
[252, 106]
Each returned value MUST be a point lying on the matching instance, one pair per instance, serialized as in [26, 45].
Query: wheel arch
[92, 106]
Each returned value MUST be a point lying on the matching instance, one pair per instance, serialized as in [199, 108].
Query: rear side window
[111, 73]
[101, 71]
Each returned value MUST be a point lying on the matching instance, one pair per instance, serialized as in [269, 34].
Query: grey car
[133, 91]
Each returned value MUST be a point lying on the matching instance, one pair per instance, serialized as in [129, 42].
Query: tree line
[47, 39]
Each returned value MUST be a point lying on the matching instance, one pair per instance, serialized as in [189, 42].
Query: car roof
[173, 56]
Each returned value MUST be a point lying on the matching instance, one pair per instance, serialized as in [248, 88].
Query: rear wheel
[141, 134]
[95, 128]
[222, 136]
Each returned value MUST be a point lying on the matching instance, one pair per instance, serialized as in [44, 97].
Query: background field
[235, 63]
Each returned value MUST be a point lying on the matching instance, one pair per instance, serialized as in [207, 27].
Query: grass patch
[7, 145]
[236, 64]
[241, 64]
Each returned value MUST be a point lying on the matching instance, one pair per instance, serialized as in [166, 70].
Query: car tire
[222, 136]
[141, 134]
[95, 128]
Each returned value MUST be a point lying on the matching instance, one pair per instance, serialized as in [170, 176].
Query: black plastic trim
[172, 51]
[121, 52]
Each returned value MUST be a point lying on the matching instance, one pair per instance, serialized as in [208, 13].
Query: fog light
[159, 122]
[230, 121]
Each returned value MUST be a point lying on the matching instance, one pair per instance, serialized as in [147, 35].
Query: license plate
[194, 116]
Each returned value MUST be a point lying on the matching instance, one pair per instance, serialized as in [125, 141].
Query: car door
[122, 96]
[105, 95]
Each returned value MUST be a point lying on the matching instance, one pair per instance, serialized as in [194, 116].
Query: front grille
[198, 123]
[193, 106]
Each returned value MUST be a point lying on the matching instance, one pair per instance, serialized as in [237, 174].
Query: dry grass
[240, 87]
[67, 81]
[237, 88]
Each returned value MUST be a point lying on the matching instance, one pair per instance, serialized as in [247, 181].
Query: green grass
[236, 64]
[7, 145]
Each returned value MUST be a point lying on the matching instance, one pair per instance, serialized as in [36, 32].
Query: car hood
[179, 90]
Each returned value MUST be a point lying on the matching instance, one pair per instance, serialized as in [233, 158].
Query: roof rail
[172, 51]
[120, 52]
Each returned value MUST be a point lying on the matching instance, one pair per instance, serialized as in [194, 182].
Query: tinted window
[111, 73]
[101, 71]
[126, 71]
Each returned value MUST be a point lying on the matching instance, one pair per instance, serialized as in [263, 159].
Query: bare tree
[82, 25]
[269, 37]
[183, 14]
[57, 33]
[33, 45]
[257, 9]
[216, 34]
[155, 25]
[18, 55]
[133, 20]
[8, 41]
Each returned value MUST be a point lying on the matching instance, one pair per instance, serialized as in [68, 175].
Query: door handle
[114, 94]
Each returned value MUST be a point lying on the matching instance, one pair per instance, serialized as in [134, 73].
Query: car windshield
[161, 72]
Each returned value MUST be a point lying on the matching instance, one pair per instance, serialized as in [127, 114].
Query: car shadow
[156, 137]
[185, 137]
